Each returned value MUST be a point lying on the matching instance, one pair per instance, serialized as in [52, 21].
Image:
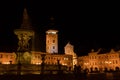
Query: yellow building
[51, 54]
[7, 58]
[52, 59]
[69, 50]
[52, 41]
[95, 60]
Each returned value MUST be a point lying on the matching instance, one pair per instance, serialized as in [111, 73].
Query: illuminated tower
[52, 41]
[24, 34]
[69, 50]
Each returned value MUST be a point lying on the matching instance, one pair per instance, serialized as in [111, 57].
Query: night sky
[84, 25]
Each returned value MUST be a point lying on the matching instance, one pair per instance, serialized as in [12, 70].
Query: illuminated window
[65, 58]
[6, 63]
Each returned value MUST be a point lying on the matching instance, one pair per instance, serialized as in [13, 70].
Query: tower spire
[26, 21]
[51, 22]
[25, 34]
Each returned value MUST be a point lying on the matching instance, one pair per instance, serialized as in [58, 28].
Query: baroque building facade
[69, 50]
[97, 61]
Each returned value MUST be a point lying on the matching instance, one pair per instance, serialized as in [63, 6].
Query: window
[65, 58]
[11, 56]
[53, 41]
[36, 57]
[53, 47]
[95, 57]
[116, 61]
[1, 56]
[48, 41]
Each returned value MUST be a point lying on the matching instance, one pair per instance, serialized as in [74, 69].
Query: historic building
[7, 58]
[97, 61]
[51, 41]
[52, 59]
[26, 55]
[69, 50]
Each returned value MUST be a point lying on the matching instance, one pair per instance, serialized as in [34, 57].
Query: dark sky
[84, 25]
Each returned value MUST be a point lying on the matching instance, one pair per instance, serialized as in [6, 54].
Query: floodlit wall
[7, 58]
[109, 60]
[52, 59]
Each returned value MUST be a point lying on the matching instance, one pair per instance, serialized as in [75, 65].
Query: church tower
[69, 50]
[52, 41]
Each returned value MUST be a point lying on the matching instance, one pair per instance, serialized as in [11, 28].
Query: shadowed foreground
[91, 76]
[42, 77]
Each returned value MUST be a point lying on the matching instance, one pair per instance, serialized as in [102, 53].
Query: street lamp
[43, 63]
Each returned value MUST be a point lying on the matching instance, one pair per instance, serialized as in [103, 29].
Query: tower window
[53, 47]
[53, 41]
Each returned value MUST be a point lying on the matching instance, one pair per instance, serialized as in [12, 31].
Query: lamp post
[43, 63]
[59, 67]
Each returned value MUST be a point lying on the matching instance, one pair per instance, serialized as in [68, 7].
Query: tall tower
[24, 34]
[52, 41]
